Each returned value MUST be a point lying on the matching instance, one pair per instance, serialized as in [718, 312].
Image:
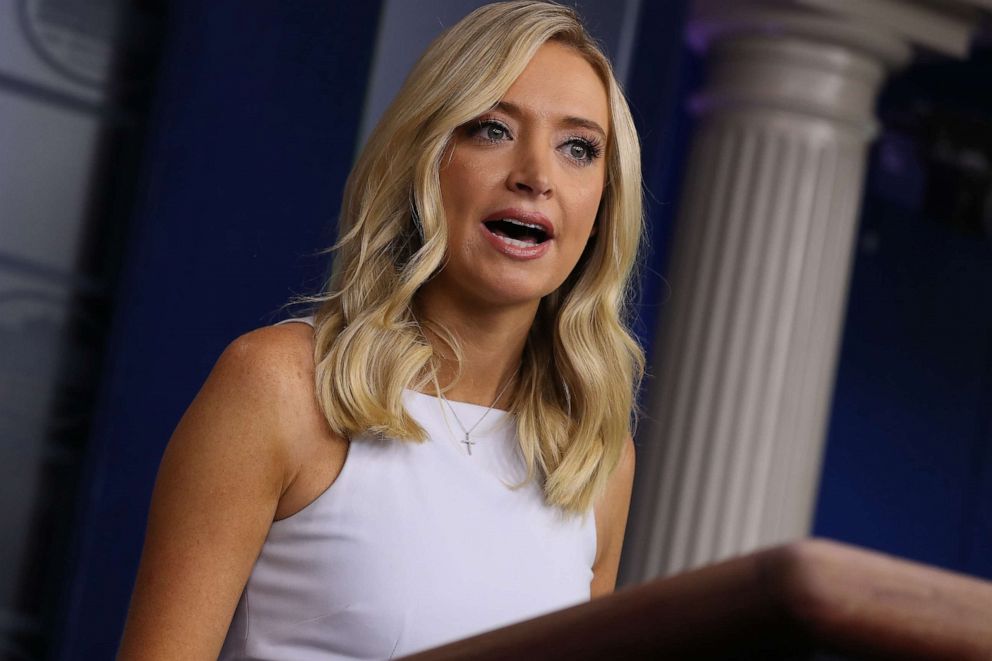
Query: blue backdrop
[251, 138]
[908, 467]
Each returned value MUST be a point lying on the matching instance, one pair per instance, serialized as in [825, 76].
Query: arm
[216, 494]
[611, 522]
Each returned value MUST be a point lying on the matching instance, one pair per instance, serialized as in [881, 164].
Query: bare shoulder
[611, 521]
[266, 374]
[246, 395]
[270, 358]
[228, 470]
[625, 468]
[276, 364]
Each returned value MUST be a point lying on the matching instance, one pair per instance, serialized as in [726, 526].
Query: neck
[492, 342]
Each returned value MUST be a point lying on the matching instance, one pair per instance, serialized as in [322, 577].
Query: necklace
[468, 432]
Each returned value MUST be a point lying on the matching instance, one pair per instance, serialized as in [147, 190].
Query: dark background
[224, 181]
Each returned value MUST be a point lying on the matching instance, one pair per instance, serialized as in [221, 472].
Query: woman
[447, 449]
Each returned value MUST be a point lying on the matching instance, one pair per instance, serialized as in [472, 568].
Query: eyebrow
[568, 120]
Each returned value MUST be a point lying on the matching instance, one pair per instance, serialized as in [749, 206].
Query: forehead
[560, 82]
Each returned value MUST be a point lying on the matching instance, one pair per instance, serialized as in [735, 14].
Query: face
[521, 185]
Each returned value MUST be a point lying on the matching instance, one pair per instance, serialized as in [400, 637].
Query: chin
[496, 287]
[511, 292]
[514, 296]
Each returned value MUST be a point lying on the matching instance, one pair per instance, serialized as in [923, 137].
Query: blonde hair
[581, 367]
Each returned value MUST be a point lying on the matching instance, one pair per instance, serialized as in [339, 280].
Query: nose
[530, 172]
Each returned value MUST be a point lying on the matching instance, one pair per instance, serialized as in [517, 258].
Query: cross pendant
[468, 444]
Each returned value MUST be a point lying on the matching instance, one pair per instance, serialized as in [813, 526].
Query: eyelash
[592, 146]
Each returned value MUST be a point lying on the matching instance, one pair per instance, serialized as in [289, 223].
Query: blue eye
[491, 130]
[582, 150]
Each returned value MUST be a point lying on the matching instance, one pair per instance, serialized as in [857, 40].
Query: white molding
[730, 451]
[949, 30]
[945, 26]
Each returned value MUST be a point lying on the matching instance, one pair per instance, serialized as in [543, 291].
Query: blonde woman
[444, 447]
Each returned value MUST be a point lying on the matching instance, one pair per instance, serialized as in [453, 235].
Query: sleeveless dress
[412, 546]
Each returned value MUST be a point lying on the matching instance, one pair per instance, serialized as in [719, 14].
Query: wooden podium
[813, 599]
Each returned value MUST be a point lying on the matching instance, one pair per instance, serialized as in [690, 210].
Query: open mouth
[517, 233]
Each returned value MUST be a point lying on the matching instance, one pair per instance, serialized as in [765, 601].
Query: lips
[519, 233]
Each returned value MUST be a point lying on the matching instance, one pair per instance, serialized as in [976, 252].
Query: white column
[730, 456]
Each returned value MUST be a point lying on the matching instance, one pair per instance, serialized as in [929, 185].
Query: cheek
[461, 180]
[584, 207]
[452, 188]
[458, 183]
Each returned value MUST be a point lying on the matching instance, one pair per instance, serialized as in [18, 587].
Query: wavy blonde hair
[581, 367]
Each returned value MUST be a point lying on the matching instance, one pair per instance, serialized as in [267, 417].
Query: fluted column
[732, 448]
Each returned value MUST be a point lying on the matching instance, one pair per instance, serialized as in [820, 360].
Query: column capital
[888, 30]
[821, 60]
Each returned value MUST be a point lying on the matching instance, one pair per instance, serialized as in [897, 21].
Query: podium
[813, 599]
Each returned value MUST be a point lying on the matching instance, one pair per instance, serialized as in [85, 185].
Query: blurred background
[169, 171]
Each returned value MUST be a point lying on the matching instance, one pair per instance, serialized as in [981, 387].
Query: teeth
[515, 242]
[523, 224]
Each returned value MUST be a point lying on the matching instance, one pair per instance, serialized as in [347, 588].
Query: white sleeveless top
[412, 546]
